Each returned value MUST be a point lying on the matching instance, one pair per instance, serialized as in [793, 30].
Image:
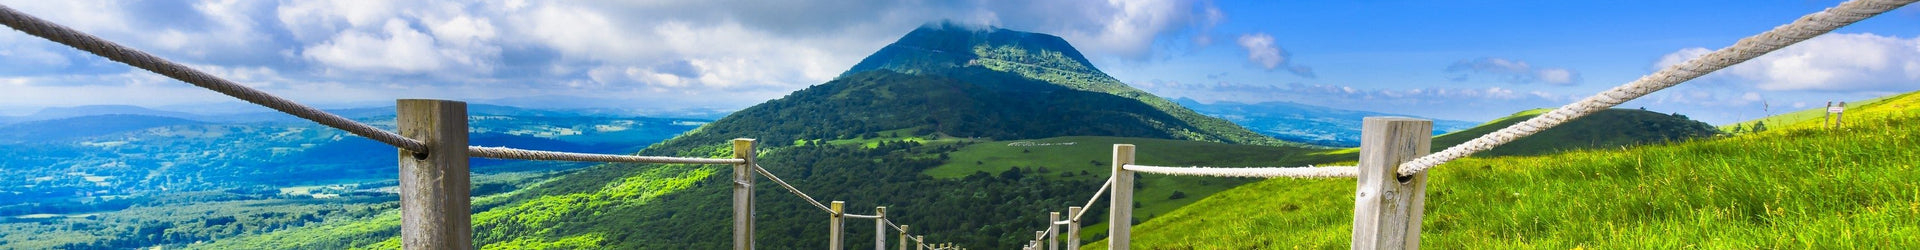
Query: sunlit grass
[1799, 186]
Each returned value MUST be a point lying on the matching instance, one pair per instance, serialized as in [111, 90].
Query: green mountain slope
[1610, 128]
[982, 55]
[1793, 187]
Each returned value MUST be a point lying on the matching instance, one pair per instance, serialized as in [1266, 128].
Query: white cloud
[1511, 71]
[608, 49]
[1262, 51]
[1833, 62]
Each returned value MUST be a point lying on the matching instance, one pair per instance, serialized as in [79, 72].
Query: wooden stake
[903, 236]
[1387, 207]
[743, 149]
[880, 228]
[836, 238]
[1120, 215]
[1053, 231]
[1073, 227]
[434, 185]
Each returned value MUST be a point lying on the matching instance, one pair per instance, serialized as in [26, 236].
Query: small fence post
[1387, 207]
[434, 185]
[1038, 237]
[743, 149]
[835, 238]
[1826, 121]
[1073, 228]
[903, 236]
[1120, 215]
[1053, 232]
[880, 228]
[1840, 118]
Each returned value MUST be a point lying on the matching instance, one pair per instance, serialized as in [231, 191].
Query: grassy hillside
[1089, 158]
[1793, 187]
[1610, 128]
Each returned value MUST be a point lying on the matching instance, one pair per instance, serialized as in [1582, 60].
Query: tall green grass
[1800, 186]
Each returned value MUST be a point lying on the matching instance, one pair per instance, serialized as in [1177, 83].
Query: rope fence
[1265, 172]
[1392, 184]
[1746, 49]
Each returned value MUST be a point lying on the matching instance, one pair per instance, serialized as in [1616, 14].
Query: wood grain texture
[434, 185]
[743, 194]
[1387, 207]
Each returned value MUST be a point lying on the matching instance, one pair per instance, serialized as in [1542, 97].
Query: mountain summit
[1008, 61]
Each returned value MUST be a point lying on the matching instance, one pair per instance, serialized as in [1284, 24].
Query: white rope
[1064, 222]
[523, 154]
[859, 216]
[1295, 172]
[138, 59]
[1096, 197]
[1746, 49]
[795, 191]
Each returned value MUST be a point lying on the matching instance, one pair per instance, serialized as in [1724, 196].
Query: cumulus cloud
[1261, 51]
[1833, 62]
[606, 49]
[1511, 71]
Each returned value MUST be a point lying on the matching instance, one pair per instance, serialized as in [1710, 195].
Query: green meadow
[1795, 186]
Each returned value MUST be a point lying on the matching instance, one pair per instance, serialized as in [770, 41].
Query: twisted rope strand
[1269, 172]
[1746, 49]
[138, 59]
[1096, 197]
[523, 154]
[795, 191]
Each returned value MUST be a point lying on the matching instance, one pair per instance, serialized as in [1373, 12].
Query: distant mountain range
[1304, 123]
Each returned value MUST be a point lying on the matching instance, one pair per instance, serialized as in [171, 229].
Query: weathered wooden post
[1120, 215]
[839, 216]
[743, 176]
[1826, 121]
[1053, 232]
[903, 236]
[1387, 207]
[1073, 228]
[880, 228]
[1840, 116]
[434, 185]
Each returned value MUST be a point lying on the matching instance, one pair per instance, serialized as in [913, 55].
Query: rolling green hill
[1610, 128]
[1794, 187]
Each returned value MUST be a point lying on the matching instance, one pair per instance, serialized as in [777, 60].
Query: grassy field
[1797, 186]
[1090, 158]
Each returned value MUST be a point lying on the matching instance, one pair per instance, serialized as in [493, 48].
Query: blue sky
[1467, 60]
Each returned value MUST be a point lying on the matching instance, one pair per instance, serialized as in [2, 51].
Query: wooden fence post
[434, 185]
[1840, 118]
[1053, 231]
[1387, 207]
[1826, 121]
[1120, 215]
[837, 237]
[880, 228]
[743, 149]
[1039, 237]
[1073, 228]
[903, 236]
